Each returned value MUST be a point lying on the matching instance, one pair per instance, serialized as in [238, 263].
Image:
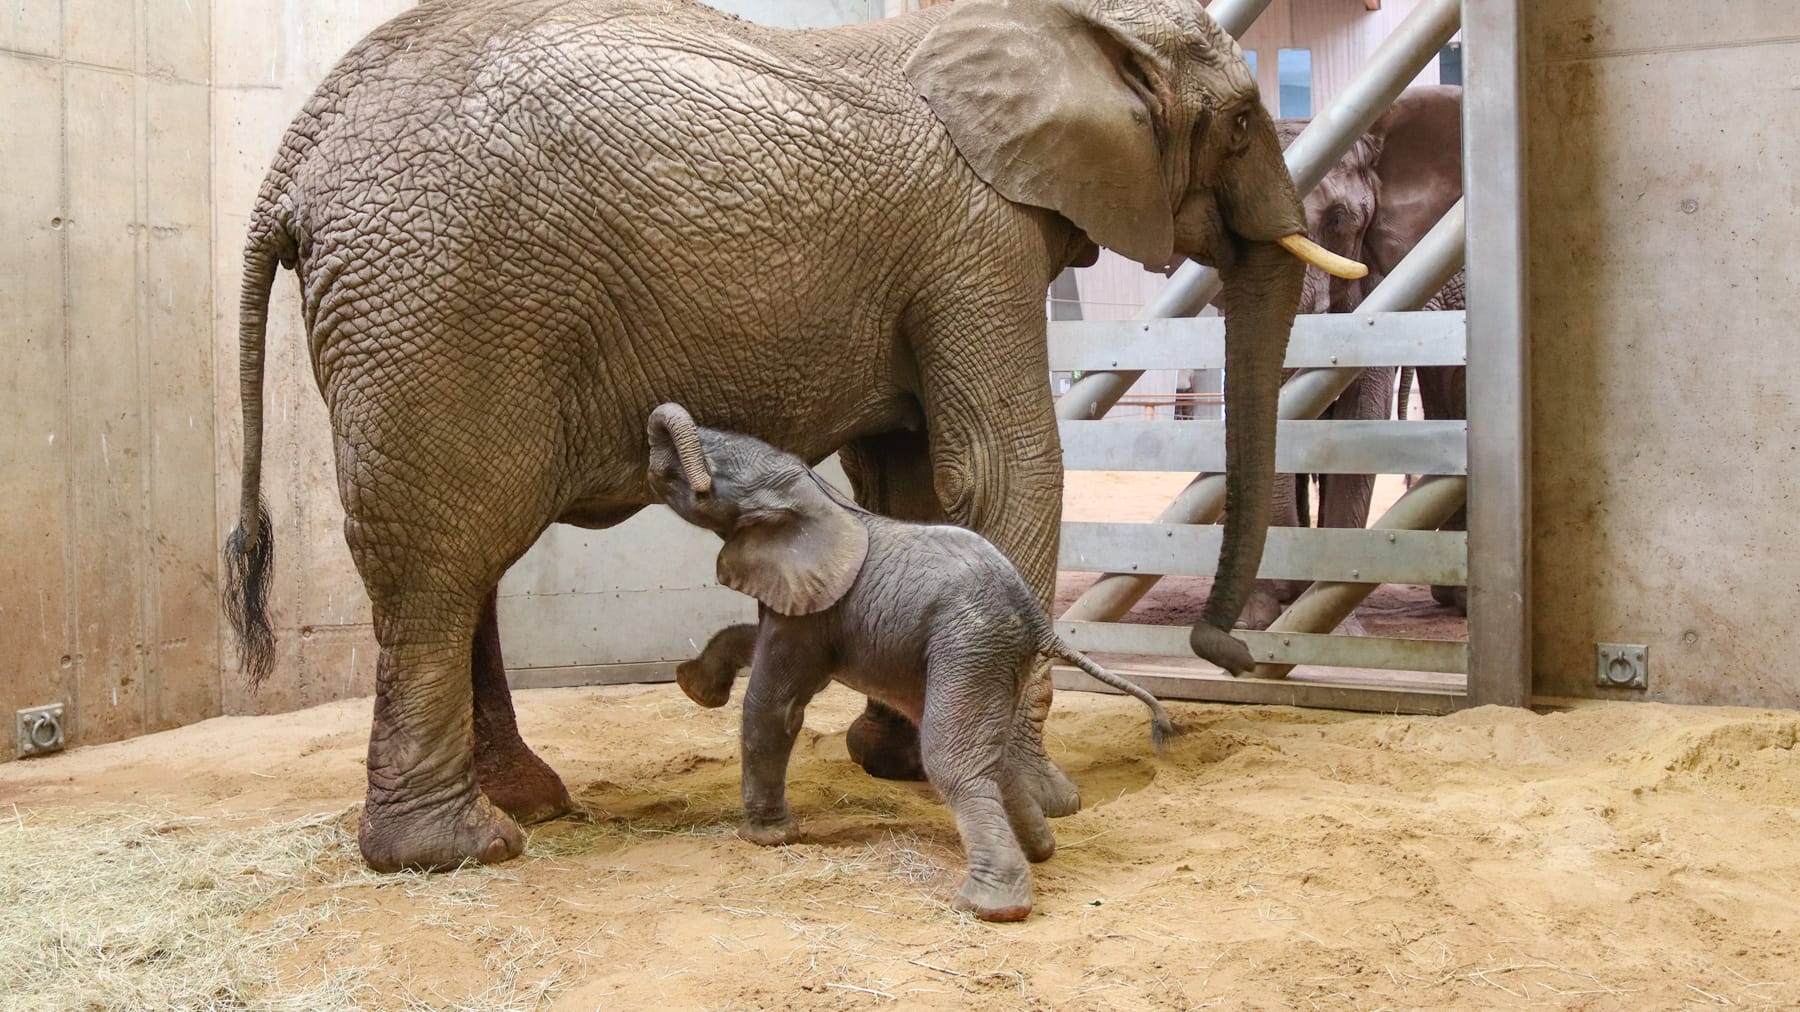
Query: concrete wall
[106, 458]
[269, 57]
[1664, 192]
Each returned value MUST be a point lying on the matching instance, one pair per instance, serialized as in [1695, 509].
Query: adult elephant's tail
[250, 550]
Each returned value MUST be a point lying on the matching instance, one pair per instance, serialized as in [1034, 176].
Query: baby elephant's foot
[1008, 899]
[707, 678]
[1036, 840]
[769, 834]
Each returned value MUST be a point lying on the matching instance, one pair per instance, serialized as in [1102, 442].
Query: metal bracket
[1622, 666]
[40, 730]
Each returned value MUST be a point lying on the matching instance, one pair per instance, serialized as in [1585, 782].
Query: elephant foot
[1003, 898]
[707, 678]
[1260, 611]
[1037, 841]
[1056, 795]
[770, 834]
[522, 785]
[885, 744]
[439, 838]
[1454, 598]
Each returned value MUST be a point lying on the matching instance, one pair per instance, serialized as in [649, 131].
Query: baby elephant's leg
[962, 738]
[783, 679]
[1028, 822]
[707, 678]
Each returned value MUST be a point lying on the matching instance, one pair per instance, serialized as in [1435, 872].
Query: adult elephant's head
[1387, 191]
[1139, 122]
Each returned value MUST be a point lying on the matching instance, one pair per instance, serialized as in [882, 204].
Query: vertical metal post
[1499, 357]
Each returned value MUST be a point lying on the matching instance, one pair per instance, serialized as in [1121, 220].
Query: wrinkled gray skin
[1375, 205]
[930, 619]
[519, 225]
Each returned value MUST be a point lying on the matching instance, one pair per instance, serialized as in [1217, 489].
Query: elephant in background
[519, 225]
[1375, 205]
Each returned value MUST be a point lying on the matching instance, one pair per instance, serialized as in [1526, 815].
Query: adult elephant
[519, 225]
[1375, 205]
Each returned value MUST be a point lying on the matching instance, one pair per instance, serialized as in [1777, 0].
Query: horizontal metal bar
[1349, 447]
[1366, 698]
[1292, 553]
[1383, 652]
[1338, 339]
[591, 674]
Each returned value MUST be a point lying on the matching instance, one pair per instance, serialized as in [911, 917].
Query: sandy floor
[1627, 856]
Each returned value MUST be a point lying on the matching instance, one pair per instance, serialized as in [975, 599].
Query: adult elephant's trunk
[1262, 288]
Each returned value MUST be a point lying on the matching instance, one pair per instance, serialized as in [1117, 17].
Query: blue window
[1450, 64]
[1294, 69]
[1250, 58]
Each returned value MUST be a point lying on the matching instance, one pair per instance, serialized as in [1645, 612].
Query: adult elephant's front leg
[891, 474]
[510, 774]
[997, 466]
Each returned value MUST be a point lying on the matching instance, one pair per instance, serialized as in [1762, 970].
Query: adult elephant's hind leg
[510, 774]
[424, 808]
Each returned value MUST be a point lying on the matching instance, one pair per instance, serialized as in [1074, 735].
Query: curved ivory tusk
[1322, 258]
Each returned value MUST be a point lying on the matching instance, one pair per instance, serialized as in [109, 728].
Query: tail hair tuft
[249, 564]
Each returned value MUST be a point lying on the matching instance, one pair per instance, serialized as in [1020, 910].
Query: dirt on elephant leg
[885, 744]
[511, 775]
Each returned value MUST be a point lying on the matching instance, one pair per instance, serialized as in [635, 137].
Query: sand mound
[1612, 856]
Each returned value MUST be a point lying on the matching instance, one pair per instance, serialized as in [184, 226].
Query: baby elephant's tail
[1161, 727]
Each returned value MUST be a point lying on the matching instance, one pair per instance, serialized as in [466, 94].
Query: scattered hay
[138, 908]
[135, 907]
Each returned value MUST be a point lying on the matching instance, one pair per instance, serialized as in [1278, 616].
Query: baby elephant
[873, 602]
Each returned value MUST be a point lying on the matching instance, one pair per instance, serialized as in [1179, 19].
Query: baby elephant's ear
[801, 561]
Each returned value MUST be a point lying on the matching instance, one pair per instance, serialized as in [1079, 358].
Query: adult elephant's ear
[1054, 106]
[1418, 170]
[800, 559]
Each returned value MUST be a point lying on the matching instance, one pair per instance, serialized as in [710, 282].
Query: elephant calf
[873, 602]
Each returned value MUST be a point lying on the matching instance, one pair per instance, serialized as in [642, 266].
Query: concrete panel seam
[1692, 47]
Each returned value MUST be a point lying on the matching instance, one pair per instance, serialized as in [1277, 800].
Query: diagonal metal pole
[1305, 395]
[1309, 157]
[1236, 16]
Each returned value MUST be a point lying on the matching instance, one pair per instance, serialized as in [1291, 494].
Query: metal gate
[1479, 463]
